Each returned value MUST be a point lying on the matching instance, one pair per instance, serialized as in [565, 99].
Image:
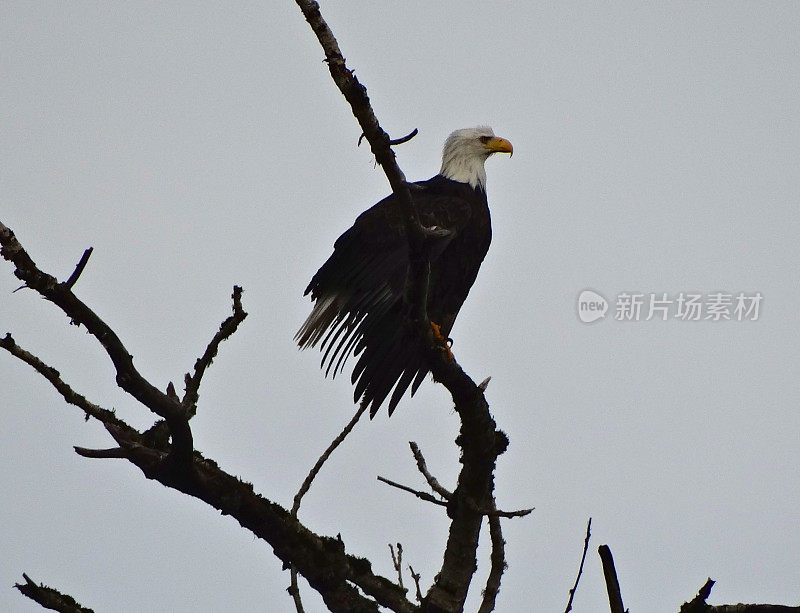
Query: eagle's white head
[466, 150]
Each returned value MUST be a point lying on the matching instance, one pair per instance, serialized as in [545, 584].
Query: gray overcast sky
[656, 151]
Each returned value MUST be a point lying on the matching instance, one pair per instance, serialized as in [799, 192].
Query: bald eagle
[360, 306]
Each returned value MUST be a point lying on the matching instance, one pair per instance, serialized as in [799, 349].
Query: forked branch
[480, 441]
[346, 583]
[128, 378]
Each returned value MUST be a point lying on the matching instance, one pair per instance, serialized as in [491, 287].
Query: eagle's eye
[485, 139]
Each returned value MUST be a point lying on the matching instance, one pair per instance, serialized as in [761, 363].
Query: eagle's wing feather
[358, 294]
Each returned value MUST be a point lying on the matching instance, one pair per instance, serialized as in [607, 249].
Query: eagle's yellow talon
[442, 341]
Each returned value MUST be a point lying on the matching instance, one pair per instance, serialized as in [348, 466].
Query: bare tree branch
[345, 582]
[397, 562]
[498, 566]
[128, 378]
[490, 512]
[612, 583]
[580, 568]
[226, 329]
[416, 577]
[50, 598]
[749, 608]
[404, 139]
[479, 439]
[394, 141]
[423, 468]
[54, 377]
[698, 605]
[494, 512]
[294, 588]
[421, 495]
[73, 278]
[324, 457]
[114, 452]
[321, 560]
[380, 143]
[294, 591]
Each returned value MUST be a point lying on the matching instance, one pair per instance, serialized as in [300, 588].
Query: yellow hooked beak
[498, 145]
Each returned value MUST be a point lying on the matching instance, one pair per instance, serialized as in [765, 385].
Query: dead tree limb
[298, 497]
[345, 582]
[480, 440]
[90, 409]
[128, 378]
[50, 598]
[580, 568]
[226, 329]
[422, 466]
[73, 278]
[698, 605]
[294, 588]
[419, 494]
[498, 566]
[397, 562]
[612, 583]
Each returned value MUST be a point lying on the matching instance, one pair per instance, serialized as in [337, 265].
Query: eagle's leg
[443, 342]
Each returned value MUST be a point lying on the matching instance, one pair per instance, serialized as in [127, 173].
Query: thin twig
[54, 377]
[491, 512]
[421, 495]
[498, 565]
[324, 457]
[73, 278]
[294, 588]
[580, 568]
[394, 141]
[416, 577]
[114, 452]
[404, 139]
[397, 561]
[506, 514]
[423, 468]
[612, 582]
[226, 329]
[127, 376]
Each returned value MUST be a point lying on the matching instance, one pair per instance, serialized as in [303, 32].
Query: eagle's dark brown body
[360, 306]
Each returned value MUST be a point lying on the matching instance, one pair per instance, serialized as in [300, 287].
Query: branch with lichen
[50, 598]
[127, 377]
[226, 329]
[480, 440]
[345, 582]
